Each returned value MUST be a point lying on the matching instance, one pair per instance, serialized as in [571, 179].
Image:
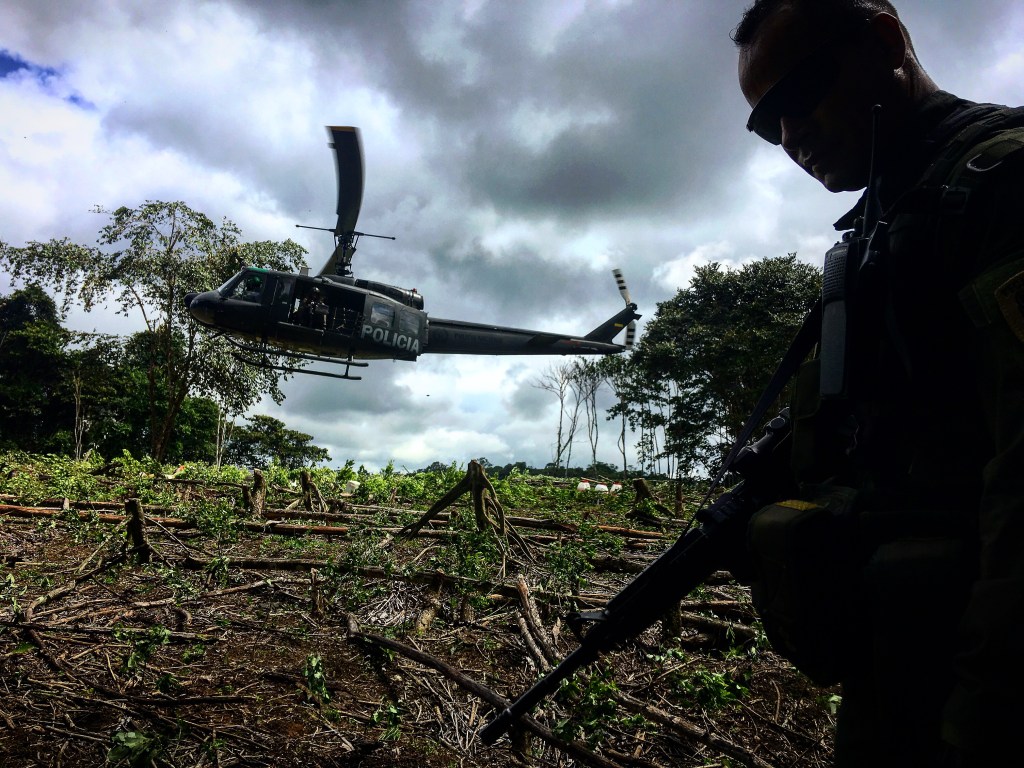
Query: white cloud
[678, 273]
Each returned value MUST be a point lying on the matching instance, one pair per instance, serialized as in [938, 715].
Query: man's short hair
[831, 15]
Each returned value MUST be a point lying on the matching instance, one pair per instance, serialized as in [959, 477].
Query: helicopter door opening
[298, 313]
[346, 312]
[310, 309]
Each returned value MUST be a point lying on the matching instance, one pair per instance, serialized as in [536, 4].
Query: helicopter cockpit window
[409, 323]
[250, 288]
[226, 289]
[382, 316]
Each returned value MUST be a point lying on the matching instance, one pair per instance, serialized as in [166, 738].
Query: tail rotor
[620, 281]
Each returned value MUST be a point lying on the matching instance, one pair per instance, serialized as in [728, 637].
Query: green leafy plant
[178, 581]
[316, 680]
[592, 706]
[142, 646]
[342, 579]
[471, 554]
[569, 562]
[167, 683]
[389, 715]
[12, 592]
[217, 569]
[138, 749]
[215, 518]
[711, 690]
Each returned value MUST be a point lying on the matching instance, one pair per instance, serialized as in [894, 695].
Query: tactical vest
[886, 497]
[920, 260]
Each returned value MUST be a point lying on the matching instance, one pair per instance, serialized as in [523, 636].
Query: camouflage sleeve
[987, 701]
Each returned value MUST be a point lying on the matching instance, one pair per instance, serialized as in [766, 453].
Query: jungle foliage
[147, 258]
[708, 353]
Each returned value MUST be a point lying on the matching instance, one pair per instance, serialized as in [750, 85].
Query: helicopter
[336, 318]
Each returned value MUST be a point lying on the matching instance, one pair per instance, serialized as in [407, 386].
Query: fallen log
[269, 526]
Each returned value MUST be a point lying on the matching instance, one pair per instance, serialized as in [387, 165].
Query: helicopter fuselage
[324, 315]
[333, 316]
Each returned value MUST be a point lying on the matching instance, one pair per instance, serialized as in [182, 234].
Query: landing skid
[348, 362]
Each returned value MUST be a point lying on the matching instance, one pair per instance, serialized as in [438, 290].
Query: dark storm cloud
[650, 81]
[518, 285]
[623, 87]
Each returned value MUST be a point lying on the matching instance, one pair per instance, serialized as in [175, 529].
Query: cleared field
[279, 621]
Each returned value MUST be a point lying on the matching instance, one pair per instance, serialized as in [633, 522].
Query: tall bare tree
[587, 379]
[558, 378]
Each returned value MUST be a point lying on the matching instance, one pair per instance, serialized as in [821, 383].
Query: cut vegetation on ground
[200, 617]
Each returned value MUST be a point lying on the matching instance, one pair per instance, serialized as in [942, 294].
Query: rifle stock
[696, 554]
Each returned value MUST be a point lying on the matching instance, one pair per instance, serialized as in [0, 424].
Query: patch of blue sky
[48, 78]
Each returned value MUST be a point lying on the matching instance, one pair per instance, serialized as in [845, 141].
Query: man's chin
[837, 180]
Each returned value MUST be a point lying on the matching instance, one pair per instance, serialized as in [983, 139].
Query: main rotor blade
[348, 162]
[620, 281]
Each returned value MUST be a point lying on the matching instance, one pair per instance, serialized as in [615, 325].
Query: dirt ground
[362, 648]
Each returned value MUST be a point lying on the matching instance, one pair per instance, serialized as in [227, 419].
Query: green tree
[147, 260]
[93, 381]
[267, 440]
[32, 359]
[708, 353]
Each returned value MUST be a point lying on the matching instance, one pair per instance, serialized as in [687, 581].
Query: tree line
[169, 391]
[696, 373]
[175, 392]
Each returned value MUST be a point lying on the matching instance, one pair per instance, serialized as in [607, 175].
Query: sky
[517, 151]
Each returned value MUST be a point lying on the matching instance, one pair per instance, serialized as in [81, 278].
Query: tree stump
[312, 499]
[136, 532]
[489, 513]
[255, 498]
[646, 506]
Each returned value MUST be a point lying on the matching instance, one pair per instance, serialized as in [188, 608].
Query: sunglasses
[797, 94]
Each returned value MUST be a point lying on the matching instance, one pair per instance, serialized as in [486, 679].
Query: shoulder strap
[974, 151]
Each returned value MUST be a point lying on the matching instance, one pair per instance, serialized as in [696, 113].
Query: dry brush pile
[194, 618]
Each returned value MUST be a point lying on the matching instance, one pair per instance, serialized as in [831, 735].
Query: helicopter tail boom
[456, 337]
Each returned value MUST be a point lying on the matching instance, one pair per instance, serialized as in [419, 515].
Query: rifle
[698, 552]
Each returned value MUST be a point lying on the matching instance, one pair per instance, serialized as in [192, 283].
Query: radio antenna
[872, 202]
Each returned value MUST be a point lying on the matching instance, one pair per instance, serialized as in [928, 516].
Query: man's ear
[889, 33]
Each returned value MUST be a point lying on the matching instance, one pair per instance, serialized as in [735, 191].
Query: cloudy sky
[517, 150]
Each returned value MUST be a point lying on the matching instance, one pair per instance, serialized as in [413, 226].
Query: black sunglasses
[797, 94]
